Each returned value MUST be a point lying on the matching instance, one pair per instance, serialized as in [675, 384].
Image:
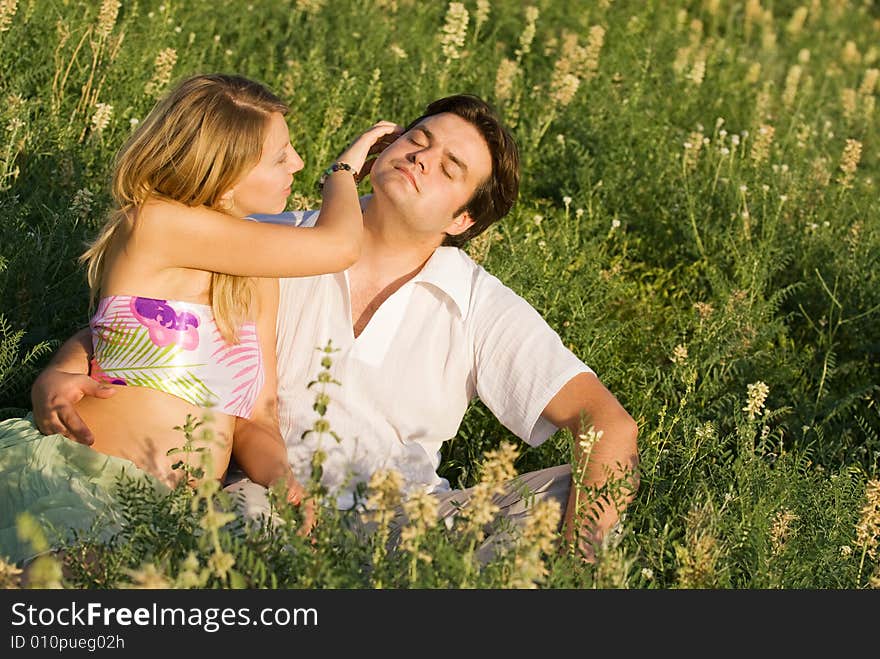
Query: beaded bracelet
[335, 167]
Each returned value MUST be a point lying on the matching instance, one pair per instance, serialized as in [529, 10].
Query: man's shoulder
[300, 218]
[487, 294]
[483, 282]
[457, 262]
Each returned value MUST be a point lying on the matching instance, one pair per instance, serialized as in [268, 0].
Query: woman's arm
[176, 235]
[257, 444]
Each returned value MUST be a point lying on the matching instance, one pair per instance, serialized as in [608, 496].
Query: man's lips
[408, 174]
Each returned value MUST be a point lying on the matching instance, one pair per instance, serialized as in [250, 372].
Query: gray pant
[515, 501]
[517, 497]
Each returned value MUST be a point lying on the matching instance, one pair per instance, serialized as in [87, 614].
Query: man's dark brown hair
[495, 196]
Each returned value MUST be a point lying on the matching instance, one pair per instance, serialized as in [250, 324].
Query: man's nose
[421, 159]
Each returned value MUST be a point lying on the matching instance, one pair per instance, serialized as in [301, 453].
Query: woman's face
[266, 187]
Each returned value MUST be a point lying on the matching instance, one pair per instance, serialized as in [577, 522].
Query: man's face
[431, 171]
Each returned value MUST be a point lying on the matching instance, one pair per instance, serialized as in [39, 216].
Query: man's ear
[461, 223]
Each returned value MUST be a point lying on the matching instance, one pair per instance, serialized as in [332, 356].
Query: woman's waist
[155, 430]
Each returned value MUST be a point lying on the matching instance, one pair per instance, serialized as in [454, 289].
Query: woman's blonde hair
[195, 144]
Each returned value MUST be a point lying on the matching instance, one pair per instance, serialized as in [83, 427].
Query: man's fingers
[76, 428]
[56, 427]
[94, 388]
[104, 391]
[51, 426]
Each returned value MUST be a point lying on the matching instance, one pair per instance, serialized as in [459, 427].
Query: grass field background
[698, 218]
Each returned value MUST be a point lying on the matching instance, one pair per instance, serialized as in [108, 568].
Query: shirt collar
[448, 270]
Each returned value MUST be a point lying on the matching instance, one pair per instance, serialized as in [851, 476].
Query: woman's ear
[227, 199]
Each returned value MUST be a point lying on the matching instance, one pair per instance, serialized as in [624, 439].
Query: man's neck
[390, 257]
[389, 252]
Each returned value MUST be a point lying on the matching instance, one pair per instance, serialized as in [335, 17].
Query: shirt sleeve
[520, 363]
[294, 218]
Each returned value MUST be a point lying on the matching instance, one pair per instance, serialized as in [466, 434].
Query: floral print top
[177, 348]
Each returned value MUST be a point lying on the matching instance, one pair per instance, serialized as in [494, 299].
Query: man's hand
[583, 537]
[54, 395]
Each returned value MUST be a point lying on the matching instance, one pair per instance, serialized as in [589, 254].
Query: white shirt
[450, 334]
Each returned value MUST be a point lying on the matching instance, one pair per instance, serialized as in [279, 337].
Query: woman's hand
[370, 143]
[297, 496]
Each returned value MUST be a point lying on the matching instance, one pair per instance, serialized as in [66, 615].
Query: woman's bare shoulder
[168, 217]
[161, 208]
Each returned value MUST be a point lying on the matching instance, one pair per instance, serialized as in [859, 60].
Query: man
[420, 330]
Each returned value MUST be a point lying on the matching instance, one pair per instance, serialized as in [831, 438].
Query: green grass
[759, 264]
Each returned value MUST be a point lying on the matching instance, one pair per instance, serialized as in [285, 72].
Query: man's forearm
[604, 480]
[605, 457]
[74, 354]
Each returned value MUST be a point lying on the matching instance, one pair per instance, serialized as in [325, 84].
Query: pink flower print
[97, 373]
[166, 326]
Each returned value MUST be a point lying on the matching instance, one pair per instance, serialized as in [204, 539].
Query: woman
[186, 294]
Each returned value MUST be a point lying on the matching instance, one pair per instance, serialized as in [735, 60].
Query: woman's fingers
[297, 496]
[308, 510]
[386, 139]
[370, 142]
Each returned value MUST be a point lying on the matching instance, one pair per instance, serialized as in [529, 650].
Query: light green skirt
[65, 486]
